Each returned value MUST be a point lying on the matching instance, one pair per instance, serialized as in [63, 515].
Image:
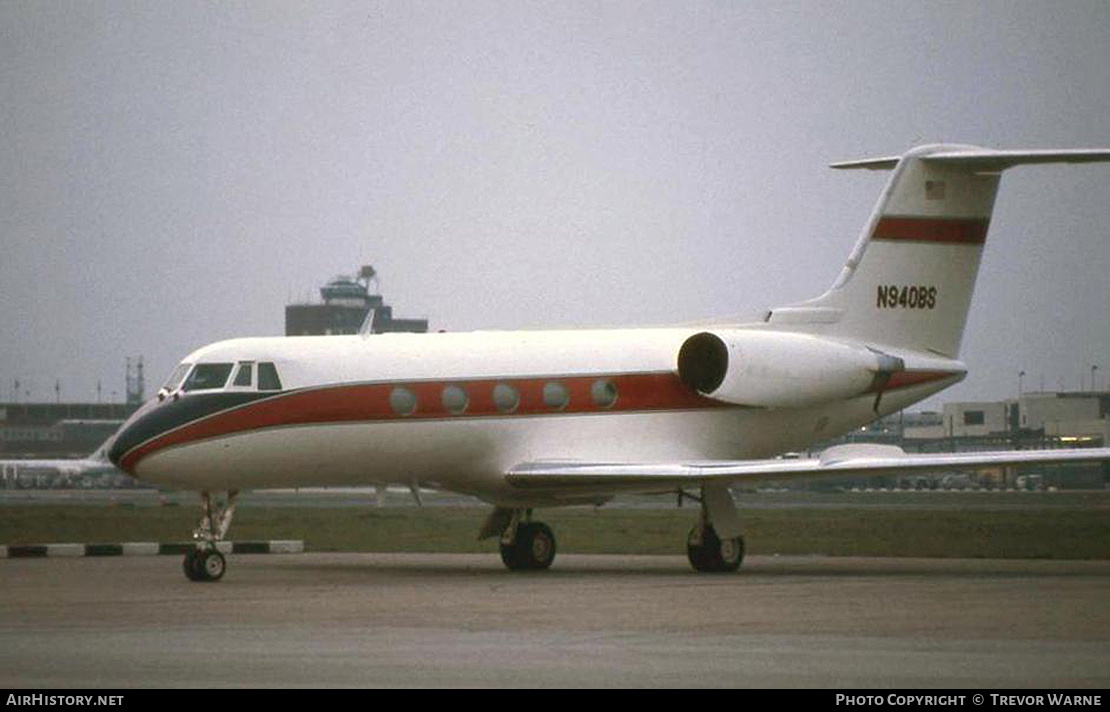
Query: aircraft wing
[853, 460]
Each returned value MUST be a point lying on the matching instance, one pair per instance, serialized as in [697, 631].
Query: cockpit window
[177, 377]
[268, 377]
[243, 375]
[207, 376]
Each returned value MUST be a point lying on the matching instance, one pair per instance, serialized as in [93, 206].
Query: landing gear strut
[525, 545]
[203, 562]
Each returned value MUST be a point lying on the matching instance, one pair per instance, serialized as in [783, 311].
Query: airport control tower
[347, 302]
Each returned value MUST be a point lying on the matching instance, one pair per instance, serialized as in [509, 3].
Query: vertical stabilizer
[909, 280]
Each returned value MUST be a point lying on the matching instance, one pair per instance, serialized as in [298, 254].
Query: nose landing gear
[203, 561]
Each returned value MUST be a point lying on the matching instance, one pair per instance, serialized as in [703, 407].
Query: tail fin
[909, 280]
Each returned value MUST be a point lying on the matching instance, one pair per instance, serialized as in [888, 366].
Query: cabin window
[207, 376]
[455, 400]
[268, 377]
[974, 417]
[555, 395]
[505, 398]
[402, 401]
[603, 393]
[243, 377]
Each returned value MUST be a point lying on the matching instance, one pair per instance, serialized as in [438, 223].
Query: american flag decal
[934, 190]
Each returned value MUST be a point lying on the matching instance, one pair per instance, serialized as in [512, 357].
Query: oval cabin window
[455, 400]
[505, 398]
[402, 401]
[555, 395]
[603, 393]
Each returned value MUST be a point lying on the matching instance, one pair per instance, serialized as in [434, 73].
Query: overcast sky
[173, 173]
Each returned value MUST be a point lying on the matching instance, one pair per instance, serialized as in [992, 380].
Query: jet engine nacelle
[778, 369]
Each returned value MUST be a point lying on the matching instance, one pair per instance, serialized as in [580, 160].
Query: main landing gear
[525, 545]
[203, 562]
[708, 551]
[714, 545]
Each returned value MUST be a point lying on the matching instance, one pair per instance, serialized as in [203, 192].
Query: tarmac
[438, 620]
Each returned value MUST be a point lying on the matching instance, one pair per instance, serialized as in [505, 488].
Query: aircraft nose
[148, 425]
[115, 452]
[143, 424]
[125, 440]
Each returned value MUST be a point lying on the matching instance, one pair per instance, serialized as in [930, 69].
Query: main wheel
[533, 548]
[709, 553]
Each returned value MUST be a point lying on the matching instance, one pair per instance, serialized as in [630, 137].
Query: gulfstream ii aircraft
[546, 418]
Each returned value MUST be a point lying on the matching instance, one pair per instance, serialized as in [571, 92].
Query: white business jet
[547, 418]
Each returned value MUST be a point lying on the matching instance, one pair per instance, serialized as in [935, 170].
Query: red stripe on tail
[958, 231]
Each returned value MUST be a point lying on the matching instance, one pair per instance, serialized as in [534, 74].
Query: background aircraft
[71, 469]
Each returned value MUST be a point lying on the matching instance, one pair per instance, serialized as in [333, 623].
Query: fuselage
[457, 410]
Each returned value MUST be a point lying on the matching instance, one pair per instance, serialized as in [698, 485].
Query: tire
[212, 565]
[695, 550]
[189, 565]
[532, 550]
[708, 554]
[511, 557]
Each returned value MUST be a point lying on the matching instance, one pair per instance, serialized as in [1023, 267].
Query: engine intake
[776, 369]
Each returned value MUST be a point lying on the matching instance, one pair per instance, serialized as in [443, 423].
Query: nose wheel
[204, 565]
[204, 562]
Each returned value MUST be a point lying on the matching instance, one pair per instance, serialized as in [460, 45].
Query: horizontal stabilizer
[839, 461]
[874, 164]
[984, 159]
[1000, 160]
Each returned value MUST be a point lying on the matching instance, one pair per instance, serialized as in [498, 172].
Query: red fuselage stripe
[961, 231]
